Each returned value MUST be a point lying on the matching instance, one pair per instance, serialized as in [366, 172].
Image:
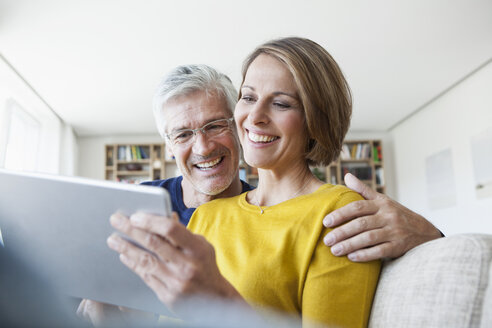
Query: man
[197, 102]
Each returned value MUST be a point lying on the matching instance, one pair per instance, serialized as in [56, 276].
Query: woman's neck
[276, 186]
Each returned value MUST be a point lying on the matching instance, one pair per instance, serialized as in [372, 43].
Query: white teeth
[207, 165]
[260, 138]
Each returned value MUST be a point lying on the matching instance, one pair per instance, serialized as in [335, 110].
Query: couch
[442, 283]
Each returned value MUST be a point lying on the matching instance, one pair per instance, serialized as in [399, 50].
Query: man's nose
[202, 144]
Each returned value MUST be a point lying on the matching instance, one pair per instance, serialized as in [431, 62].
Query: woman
[294, 110]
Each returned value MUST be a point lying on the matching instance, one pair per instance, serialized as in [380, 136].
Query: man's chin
[212, 191]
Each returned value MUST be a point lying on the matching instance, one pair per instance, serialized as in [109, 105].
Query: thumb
[358, 186]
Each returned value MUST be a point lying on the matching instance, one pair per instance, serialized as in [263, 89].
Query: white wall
[91, 152]
[449, 122]
[69, 151]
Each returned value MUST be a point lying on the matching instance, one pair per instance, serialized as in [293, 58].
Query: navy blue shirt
[173, 186]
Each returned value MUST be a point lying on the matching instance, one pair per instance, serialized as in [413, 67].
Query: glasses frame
[195, 131]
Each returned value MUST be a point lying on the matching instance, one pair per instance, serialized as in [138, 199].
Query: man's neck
[192, 198]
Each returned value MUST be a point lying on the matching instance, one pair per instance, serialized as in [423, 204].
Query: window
[22, 143]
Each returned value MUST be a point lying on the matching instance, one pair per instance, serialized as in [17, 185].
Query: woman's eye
[281, 105]
[247, 98]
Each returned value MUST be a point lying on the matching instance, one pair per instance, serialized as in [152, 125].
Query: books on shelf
[380, 176]
[131, 153]
[377, 154]
[361, 150]
[362, 172]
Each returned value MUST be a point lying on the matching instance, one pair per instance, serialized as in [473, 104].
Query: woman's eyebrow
[275, 93]
[248, 87]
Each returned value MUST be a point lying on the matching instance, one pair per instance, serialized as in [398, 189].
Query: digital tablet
[58, 226]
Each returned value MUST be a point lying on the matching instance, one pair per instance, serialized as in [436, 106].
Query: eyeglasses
[211, 129]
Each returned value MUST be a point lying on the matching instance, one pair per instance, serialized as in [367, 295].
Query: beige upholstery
[443, 283]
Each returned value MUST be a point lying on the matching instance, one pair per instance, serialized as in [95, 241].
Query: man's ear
[169, 151]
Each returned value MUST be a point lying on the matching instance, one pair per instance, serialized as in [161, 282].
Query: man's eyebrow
[182, 127]
[294, 96]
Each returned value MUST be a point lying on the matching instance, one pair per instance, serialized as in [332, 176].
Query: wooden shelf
[368, 170]
[132, 173]
[141, 156]
[334, 172]
[136, 161]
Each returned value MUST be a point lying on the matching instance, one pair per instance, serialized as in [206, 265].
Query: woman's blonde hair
[323, 91]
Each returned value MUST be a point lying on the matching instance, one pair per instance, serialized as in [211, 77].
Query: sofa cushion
[442, 283]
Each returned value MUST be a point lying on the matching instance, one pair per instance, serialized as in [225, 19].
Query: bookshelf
[135, 163]
[363, 158]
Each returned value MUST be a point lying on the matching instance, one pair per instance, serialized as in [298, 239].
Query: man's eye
[214, 127]
[183, 135]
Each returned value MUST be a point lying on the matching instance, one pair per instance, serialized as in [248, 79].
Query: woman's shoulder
[342, 195]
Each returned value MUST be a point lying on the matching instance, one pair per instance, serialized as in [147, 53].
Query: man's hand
[106, 315]
[182, 265]
[375, 228]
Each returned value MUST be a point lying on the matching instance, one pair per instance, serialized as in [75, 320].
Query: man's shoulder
[221, 204]
[246, 186]
[165, 183]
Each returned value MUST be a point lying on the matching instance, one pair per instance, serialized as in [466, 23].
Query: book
[143, 153]
[137, 149]
[128, 152]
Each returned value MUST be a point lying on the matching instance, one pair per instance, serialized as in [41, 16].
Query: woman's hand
[182, 265]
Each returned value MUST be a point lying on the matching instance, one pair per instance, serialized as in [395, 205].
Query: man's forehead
[193, 111]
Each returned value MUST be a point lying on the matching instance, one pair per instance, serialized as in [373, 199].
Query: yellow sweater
[278, 260]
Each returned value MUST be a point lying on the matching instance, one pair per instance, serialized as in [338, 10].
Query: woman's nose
[258, 113]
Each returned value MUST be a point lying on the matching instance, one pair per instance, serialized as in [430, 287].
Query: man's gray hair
[186, 79]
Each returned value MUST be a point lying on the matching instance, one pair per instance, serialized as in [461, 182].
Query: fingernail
[329, 240]
[328, 221]
[137, 220]
[116, 220]
[113, 242]
[337, 249]
[352, 257]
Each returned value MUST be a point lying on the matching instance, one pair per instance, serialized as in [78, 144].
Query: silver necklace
[293, 196]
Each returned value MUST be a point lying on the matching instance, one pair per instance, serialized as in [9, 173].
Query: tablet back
[58, 226]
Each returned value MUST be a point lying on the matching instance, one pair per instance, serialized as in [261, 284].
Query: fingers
[348, 212]
[80, 309]
[362, 240]
[372, 253]
[352, 229]
[169, 228]
[91, 311]
[358, 186]
[141, 261]
[151, 241]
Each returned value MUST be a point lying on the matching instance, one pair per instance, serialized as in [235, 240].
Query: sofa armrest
[442, 283]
